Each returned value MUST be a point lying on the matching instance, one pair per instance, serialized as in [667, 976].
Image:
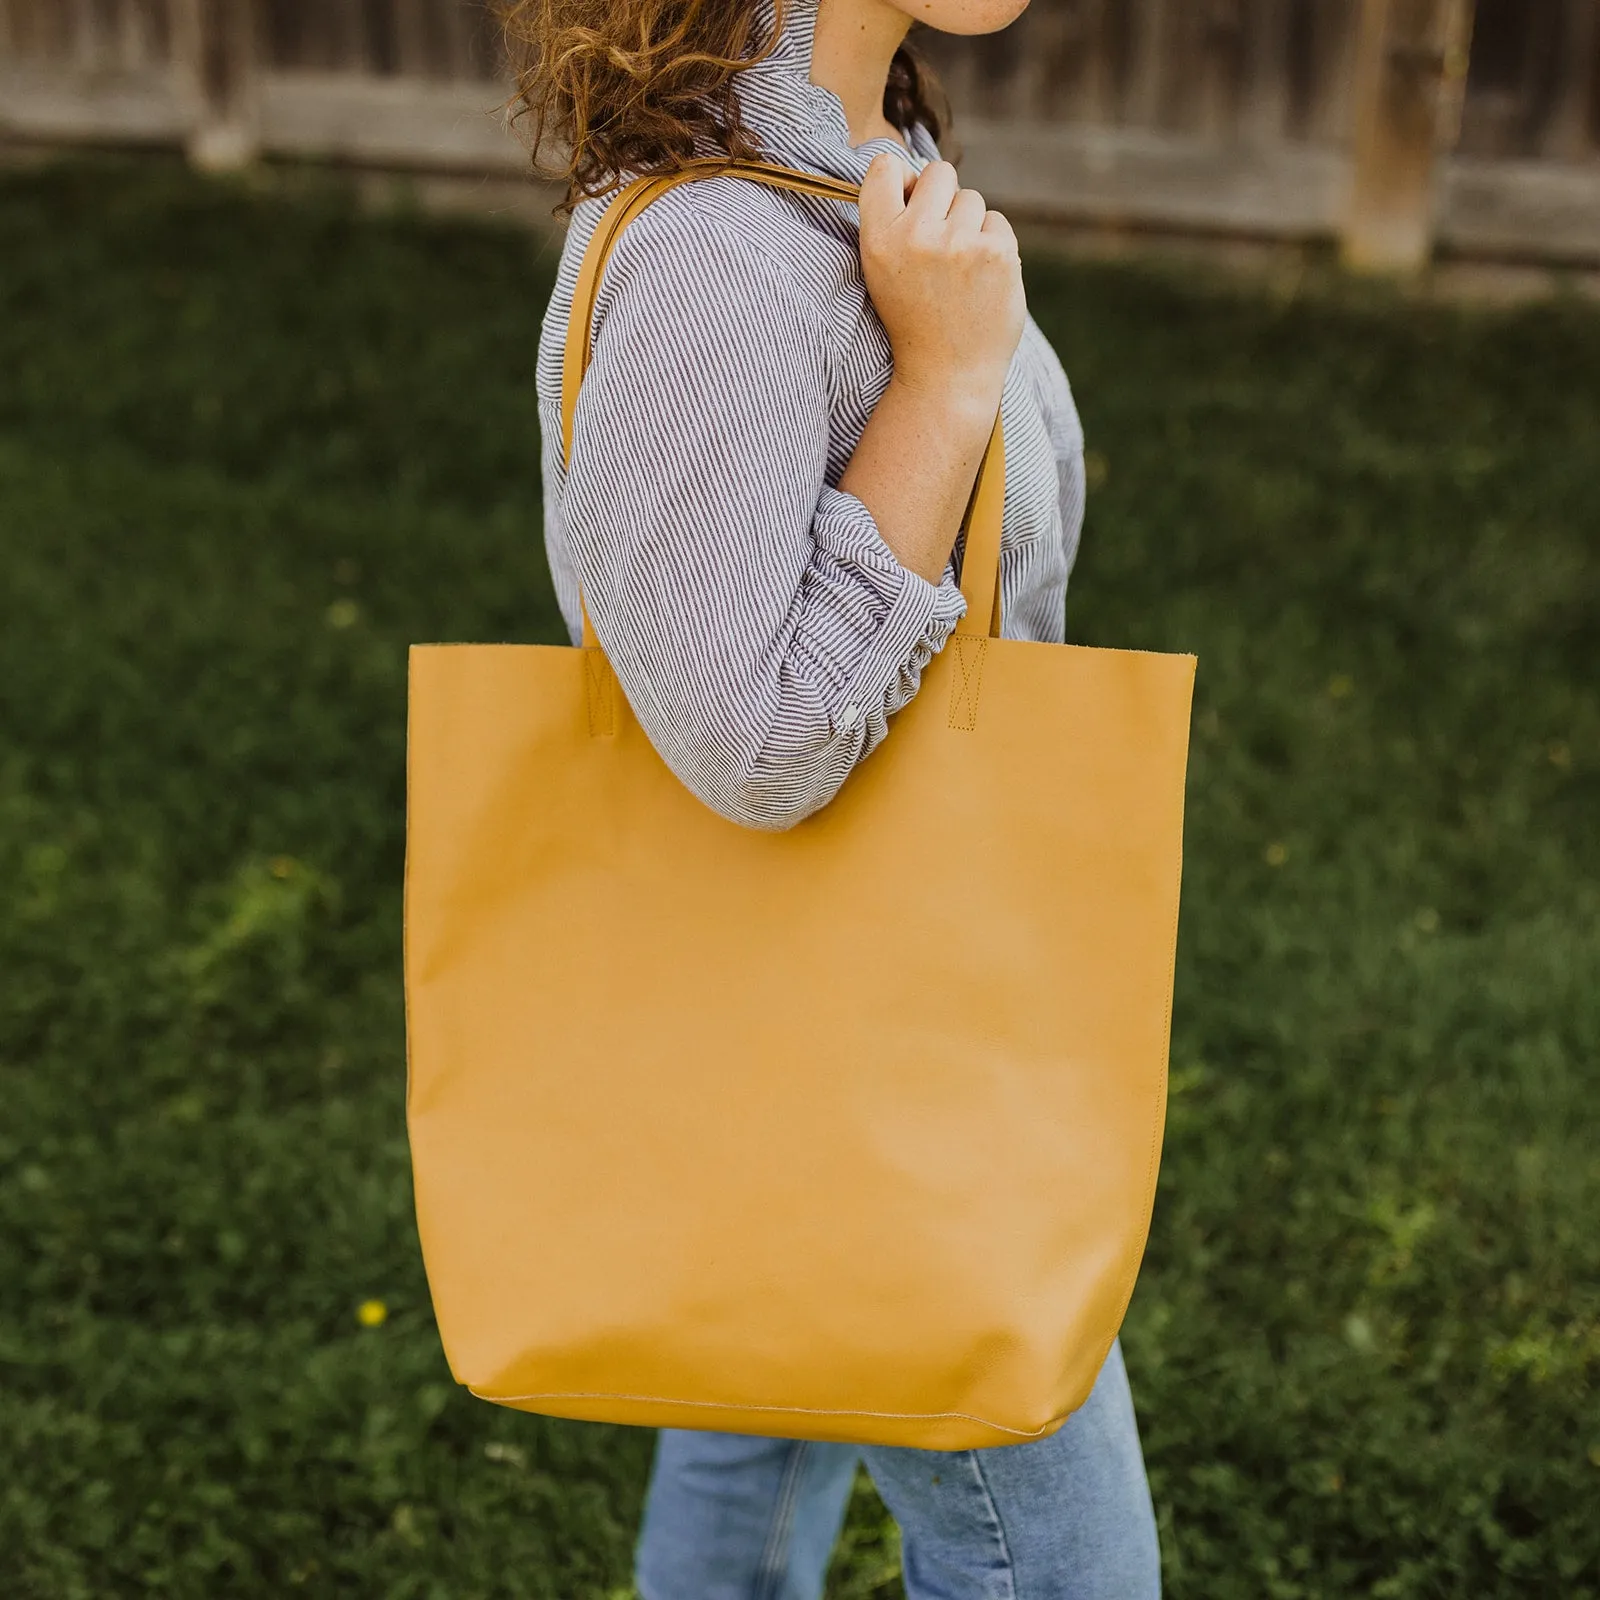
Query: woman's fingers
[967, 211]
[883, 190]
[939, 197]
[933, 193]
[946, 282]
[996, 226]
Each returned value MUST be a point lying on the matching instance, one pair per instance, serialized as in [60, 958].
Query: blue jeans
[1068, 1517]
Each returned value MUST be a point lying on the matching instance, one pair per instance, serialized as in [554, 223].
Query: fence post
[1410, 65]
[214, 53]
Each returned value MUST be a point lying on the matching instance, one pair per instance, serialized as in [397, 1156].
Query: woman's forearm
[946, 282]
[914, 468]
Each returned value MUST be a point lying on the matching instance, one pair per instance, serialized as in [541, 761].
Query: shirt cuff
[914, 618]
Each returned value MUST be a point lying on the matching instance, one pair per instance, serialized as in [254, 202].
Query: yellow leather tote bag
[773, 1132]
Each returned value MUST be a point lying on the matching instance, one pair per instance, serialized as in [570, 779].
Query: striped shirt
[760, 627]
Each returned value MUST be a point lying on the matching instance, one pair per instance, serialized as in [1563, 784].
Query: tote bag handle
[980, 563]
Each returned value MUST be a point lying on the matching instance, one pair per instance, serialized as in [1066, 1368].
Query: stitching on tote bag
[597, 691]
[968, 679]
[798, 1411]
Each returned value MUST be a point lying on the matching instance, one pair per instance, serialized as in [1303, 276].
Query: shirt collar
[800, 123]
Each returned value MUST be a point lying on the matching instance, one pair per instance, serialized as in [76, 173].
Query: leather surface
[771, 1132]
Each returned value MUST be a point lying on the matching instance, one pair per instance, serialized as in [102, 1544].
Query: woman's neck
[854, 43]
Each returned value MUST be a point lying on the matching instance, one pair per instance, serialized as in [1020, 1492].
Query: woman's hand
[946, 280]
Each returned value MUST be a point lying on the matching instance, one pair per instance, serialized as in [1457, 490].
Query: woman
[772, 454]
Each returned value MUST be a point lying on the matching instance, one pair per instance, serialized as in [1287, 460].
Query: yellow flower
[343, 613]
[1341, 686]
[1560, 753]
[372, 1313]
[1275, 854]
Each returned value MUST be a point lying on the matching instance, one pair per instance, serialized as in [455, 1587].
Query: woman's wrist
[963, 403]
[915, 465]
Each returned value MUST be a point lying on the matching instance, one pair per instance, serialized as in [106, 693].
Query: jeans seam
[994, 1517]
[770, 1572]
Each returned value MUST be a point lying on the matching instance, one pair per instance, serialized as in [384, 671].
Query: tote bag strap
[980, 564]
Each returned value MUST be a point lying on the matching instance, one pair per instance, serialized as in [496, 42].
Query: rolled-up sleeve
[760, 626]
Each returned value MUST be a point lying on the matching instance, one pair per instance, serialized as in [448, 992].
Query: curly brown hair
[639, 86]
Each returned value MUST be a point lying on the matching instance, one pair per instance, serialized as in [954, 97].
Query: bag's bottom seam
[801, 1411]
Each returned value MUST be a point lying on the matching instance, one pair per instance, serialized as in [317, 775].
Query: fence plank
[1221, 26]
[1141, 177]
[1265, 97]
[83, 30]
[1332, 31]
[41, 100]
[1042, 66]
[1066, 71]
[397, 122]
[1572, 131]
[50, 28]
[417, 45]
[347, 35]
[470, 41]
[1513, 76]
[381, 49]
[315, 35]
[1147, 53]
[1184, 67]
[1521, 210]
[143, 34]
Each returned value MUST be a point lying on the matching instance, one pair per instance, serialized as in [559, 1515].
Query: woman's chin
[965, 16]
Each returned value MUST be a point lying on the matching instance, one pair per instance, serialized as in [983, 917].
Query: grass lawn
[250, 448]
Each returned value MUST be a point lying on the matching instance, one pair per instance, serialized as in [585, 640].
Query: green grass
[251, 448]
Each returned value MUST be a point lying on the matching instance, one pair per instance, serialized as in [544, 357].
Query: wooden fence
[1394, 125]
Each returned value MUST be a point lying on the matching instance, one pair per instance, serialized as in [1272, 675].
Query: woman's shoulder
[730, 241]
[705, 261]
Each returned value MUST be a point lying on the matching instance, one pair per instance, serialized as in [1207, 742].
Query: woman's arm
[945, 279]
[763, 625]
[758, 621]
